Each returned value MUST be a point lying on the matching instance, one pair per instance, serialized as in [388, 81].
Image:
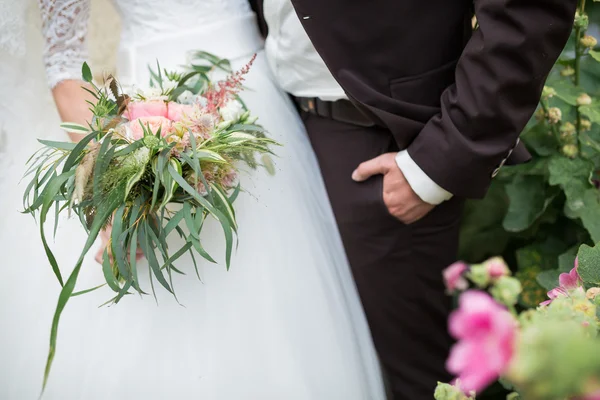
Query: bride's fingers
[99, 254]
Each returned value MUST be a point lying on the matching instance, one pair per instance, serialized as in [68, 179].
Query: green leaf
[225, 206]
[566, 91]
[86, 72]
[72, 127]
[49, 193]
[189, 220]
[235, 194]
[595, 55]
[76, 152]
[529, 197]
[110, 278]
[133, 246]
[192, 192]
[591, 111]
[177, 254]
[589, 213]
[58, 145]
[589, 264]
[103, 214]
[87, 290]
[145, 241]
[549, 279]
[130, 148]
[173, 222]
[541, 140]
[102, 162]
[169, 183]
[117, 243]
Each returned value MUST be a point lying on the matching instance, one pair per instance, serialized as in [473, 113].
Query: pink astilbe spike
[218, 96]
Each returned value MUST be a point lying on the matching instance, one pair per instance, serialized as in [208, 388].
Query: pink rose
[176, 111]
[139, 109]
[486, 336]
[153, 124]
[496, 268]
[454, 277]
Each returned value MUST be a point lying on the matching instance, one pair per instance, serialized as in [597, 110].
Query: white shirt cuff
[429, 191]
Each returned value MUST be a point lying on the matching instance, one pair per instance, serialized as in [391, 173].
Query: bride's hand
[70, 98]
[104, 239]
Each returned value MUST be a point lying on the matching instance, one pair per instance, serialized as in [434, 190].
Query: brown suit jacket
[457, 99]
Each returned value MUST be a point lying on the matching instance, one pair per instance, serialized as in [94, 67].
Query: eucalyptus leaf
[86, 72]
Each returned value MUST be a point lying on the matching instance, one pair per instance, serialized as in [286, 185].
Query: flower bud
[251, 120]
[584, 100]
[496, 268]
[479, 275]
[592, 293]
[567, 71]
[548, 92]
[506, 290]
[151, 141]
[567, 129]
[554, 115]
[245, 116]
[540, 115]
[445, 391]
[570, 150]
[224, 125]
[581, 21]
[588, 41]
[586, 124]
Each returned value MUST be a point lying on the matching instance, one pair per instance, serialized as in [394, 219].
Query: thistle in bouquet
[154, 162]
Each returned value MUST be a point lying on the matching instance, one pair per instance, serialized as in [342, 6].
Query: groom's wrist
[428, 190]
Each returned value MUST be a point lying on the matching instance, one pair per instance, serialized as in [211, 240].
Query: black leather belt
[340, 110]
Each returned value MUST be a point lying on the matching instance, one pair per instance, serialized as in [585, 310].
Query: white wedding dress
[284, 323]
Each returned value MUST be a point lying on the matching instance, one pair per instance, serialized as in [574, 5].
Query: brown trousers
[397, 267]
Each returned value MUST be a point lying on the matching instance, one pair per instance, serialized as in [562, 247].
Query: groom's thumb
[369, 168]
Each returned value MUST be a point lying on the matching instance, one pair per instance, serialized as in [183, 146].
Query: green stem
[578, 53]
[553, 127]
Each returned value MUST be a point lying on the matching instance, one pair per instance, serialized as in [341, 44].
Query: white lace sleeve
[64, 26]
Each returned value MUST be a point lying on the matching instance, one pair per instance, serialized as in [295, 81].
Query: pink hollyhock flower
[486, 337]
[140, 109]
[454, 277]
[496, 268]
[153, 124]
[572, 280]
[567, 281]
[176, 111]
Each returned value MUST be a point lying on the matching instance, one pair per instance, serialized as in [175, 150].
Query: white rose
[186, 97]
[232, 111]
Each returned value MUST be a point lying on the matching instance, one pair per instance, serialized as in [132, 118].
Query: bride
[284, 323]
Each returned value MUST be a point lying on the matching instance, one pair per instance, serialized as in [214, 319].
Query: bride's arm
[64, 26]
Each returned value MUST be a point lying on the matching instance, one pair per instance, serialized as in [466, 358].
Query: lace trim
[64, 26]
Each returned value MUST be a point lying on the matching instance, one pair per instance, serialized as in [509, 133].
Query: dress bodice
[144, 18]
[65, 26]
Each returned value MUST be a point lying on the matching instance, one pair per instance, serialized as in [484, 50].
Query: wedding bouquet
[180, 141]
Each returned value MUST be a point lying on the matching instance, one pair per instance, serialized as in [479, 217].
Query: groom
[410, 111]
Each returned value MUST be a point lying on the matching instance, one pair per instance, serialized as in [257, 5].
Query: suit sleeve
[499, 79]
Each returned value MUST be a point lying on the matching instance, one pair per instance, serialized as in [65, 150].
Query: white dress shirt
[299, 70]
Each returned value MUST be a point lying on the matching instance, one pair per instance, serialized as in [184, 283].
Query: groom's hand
[401, 201]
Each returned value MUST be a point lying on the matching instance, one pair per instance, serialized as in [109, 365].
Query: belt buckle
[308, 106]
